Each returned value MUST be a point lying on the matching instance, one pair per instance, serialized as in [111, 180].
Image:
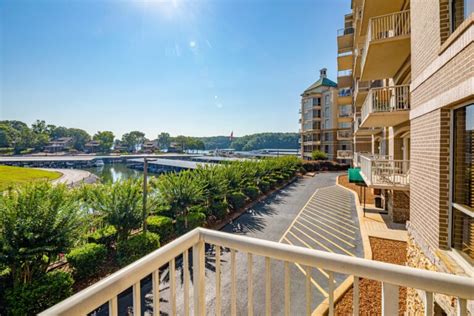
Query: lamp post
[145, 192]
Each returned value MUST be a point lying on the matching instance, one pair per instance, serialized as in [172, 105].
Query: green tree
[120, 203]
[59, 132]
[38, 221]
[6, 135]
[133, 140]
[106, 139]
[79, 138]
[164, 140]
[39, 127]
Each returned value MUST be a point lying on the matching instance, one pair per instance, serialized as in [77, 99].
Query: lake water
[115, 172]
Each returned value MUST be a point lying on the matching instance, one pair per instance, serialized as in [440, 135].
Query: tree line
[18, 138]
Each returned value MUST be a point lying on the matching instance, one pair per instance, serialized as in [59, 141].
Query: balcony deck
[381, 172]
[386, 106]
[387, 46]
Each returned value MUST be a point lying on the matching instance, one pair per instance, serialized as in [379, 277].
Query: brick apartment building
[325, 121]
[412, 70]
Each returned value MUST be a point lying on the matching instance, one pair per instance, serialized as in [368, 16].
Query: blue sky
[186, 67]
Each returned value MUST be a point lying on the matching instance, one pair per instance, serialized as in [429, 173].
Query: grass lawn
[17, 175]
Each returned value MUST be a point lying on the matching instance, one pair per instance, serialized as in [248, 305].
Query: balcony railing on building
[187, 257]
[387, 45]
[386, 106]
[344, 154]
[344, 134]
[382, 172]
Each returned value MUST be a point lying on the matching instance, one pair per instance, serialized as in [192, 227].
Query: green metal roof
[321, 82]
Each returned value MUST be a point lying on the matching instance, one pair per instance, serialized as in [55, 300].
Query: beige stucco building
[325, 124]
[411, 64]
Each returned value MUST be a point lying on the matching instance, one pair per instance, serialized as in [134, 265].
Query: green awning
[355, 176]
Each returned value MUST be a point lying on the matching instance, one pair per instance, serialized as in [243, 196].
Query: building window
[326, 99]
[460, 11]
[462, 233]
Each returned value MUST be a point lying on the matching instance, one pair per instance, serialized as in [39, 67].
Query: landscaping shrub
[161, 225]
[264, 186]
[85, 260]
[251, 192]
[219, 209]
[311, 166]
[104, 236]
[195, 219]
[42, 293]
[136, 247]
[237, 200]
[319, 155]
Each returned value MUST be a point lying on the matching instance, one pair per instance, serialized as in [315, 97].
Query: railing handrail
[387, 99]
[388, 14]
[94, 296]
[390, 87]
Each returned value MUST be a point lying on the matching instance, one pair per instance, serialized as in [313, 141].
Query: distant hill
[253, 142]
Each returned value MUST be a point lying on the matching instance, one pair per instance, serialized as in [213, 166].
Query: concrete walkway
[73, 177]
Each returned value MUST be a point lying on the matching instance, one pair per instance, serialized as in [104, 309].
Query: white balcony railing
[392, 277]
[386, 99]
[385, 27]
[381, 171]
[344, 134]
[344, 154]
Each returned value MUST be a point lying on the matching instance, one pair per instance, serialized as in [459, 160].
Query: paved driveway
[313, 213]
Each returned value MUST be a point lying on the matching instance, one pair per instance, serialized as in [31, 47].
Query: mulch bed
[370, 303]
[369, 195]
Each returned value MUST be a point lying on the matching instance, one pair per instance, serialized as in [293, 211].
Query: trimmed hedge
[136, 247]
[105, 236]
[311, 166]
[252, 192]
[237, 200]
[195, 219]
[86, 259]
[161, 225]
[40, 294]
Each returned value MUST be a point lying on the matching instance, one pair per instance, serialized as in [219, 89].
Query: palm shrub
[194, 219]
[86, 259]
[181, 192]
[237, 200]
[214, 186]
[251, 192]
[136, 247]
[162, 226]
[38, 221]
[120, 203]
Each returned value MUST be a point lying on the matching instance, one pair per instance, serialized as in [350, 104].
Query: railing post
[389, 299]
[198, 275]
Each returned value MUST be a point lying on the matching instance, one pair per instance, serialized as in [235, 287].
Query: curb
[323, 308]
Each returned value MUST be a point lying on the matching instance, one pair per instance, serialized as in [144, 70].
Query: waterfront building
[92, 147]
[59, 145]
[412, 67]
[150, 146]
[323, 121]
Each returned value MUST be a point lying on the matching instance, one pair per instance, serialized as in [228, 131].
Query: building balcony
[345, 117]
[387, 46]
[201, 257]
[345, 61]
[344, 154]
[345, 134]
[344, 78]
[384, 173]
[368, 9]
[386, 106]
[345, 39]
[361, 131]
[312, 143]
